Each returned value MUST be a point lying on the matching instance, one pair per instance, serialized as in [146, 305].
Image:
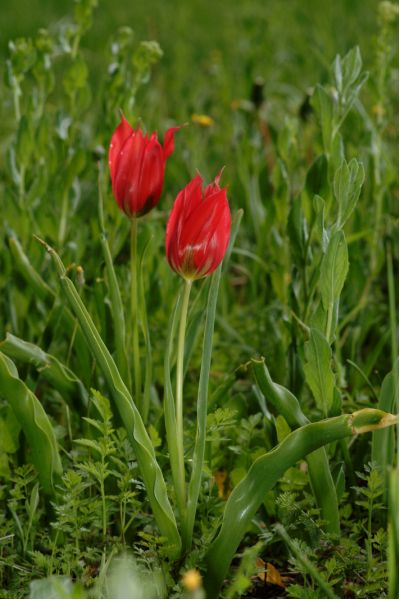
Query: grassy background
[291, 42]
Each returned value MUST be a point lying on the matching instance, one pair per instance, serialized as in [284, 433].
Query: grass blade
[117, 308]
[138, 436]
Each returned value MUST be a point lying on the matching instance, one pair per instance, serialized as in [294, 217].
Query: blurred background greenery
[213, 53]
[288, 43]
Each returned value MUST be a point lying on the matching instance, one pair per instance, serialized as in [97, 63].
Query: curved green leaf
[24, 266]
[117, 308]
[51, 369]
[287, 405]
[34, 422]
[248, 495]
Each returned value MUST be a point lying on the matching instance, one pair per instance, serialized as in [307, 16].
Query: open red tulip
[137, 167]
[198, 229]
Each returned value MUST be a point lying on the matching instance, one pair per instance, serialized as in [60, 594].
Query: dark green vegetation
[311, 157]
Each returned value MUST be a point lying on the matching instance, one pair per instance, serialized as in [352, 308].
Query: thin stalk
[63, 219]
[347, 461]
[368, 541]
[21, 186]
[103, 501]
[146, 336]
[122, 518]
[170, 411]
[307, 564]
[392, 304]
[16, 95]
[179, 389]
[134, 314]
[393, 534]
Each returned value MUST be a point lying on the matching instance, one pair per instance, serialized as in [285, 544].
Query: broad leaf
[347, 187]
[318, 370]
[334, 267]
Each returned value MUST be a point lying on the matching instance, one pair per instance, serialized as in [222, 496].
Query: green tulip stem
[134, 314]
[179, 390]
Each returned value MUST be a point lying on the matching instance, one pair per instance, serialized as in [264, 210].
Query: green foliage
[34, 423]
[246, 569]
[318, 370]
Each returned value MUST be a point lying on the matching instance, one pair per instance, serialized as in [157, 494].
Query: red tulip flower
[198, 229]
[137, 167]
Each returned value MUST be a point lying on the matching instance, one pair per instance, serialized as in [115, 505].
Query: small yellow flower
[191, 580]
[378, 110]
[203, 120]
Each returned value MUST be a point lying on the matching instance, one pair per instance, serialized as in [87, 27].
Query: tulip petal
[137, 167]
[169, 141]
[186, 201]
[119, 137]
[215, 184]
[151, 176]
[211, 242]
[127, 172]
[198, 229]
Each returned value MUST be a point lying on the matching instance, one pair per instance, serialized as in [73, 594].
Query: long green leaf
[148, 465]
[249, 494]
[117, 308]
[202, 401]
[237, 219]
[34, 422]
[383, 442]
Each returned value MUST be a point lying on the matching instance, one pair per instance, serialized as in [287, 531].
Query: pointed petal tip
[169, 140]
[219, 175]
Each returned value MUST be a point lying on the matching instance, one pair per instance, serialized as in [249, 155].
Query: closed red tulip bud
[198, 229]
[137, 167]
